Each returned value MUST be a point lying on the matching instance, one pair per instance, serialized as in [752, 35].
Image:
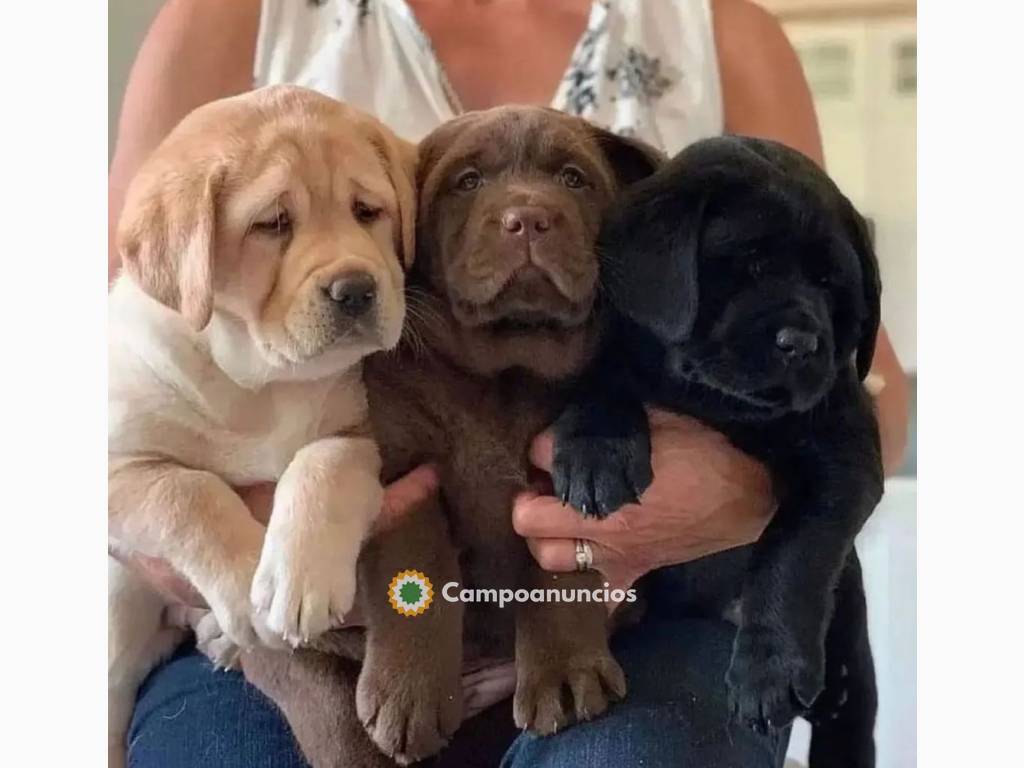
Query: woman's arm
[196, 51]
[765, 94]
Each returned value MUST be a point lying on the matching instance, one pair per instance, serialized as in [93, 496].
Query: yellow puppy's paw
[305, 585]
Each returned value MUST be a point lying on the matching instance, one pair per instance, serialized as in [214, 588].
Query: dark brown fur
[497, 330]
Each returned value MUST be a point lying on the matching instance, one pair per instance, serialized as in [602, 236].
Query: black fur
[707, 262]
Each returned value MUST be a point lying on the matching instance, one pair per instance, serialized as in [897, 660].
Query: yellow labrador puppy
[264, 246]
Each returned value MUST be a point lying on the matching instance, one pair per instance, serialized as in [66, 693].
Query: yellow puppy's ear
[400, 159]
[166, 237]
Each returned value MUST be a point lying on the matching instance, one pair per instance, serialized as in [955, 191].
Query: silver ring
[584, 555]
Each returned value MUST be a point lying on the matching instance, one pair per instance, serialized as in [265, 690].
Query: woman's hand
[706, 497]
[399, 498]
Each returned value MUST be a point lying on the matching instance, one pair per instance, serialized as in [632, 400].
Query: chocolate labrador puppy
[749, 298]
[503, 313]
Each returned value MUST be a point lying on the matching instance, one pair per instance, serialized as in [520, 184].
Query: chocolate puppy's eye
[364, 213]
[278, 225]
[572, 177]
[469, 180]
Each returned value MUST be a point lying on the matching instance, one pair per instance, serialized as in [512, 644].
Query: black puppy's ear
[630, 159]
[649, 248]
[861, 239]
[648, 242]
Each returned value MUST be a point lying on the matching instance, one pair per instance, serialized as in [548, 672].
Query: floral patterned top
[645, 68]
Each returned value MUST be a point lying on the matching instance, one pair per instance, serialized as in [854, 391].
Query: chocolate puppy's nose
[795, 343]
[528, 220]
[353, 293]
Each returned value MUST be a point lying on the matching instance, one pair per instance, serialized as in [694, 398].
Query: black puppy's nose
[354, 293]
[528, 220]
[795, 343]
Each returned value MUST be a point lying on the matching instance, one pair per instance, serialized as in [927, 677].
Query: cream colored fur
[227, 368]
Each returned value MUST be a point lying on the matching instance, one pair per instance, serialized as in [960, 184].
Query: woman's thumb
[406, 493]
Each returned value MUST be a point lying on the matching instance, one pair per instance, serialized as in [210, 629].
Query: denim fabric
[190, 716]
[675, 715]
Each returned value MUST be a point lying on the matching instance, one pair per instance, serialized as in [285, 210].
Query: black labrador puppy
[748, 297]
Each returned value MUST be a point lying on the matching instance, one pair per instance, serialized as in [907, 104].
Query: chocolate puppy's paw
[548, 698]
[597, 475]
[409, 717]
[770, 681]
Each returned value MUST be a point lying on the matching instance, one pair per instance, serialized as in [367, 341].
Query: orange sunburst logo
[410, 593]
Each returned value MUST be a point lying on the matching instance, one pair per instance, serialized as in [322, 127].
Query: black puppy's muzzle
[795, 344]
[798, 341]
[770, 347]
[795, 337]
[782, 327]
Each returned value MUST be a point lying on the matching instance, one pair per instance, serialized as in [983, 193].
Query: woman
[669, 72]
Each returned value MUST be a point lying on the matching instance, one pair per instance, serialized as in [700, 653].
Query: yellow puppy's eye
[364, 213]
[277, 225]
[572, 177]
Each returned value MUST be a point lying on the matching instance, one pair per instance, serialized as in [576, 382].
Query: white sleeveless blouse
[645, 68]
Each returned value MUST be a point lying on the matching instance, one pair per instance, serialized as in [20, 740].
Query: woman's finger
[486, 687]
[406, 493]
[542, 450]
[547, 517]
[161, 577]
[559, 555]
[658, 418]
[259, 499]
[180, 616]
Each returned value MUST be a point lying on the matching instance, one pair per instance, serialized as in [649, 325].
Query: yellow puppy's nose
[353, 293]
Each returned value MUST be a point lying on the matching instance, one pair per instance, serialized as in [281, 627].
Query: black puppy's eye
[756, 268]
[278, 224]
[365, 213]
[572, 177]
[821, 275]
[469, 180]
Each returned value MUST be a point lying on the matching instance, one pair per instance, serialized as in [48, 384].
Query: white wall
[870, 138]
[127, 22]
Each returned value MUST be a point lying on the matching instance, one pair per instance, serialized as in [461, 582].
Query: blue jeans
[189, 716]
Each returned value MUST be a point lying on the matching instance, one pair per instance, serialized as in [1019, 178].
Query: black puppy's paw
[597, 475]
[770, 681]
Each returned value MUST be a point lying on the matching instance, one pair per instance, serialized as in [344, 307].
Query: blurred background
[860, 58]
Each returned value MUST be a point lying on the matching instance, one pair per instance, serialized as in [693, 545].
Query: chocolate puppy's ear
[434, 152]
[629, 158]
[649, 248]
[861, 240]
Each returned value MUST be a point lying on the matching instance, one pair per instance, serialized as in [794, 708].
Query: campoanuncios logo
[410, 593]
